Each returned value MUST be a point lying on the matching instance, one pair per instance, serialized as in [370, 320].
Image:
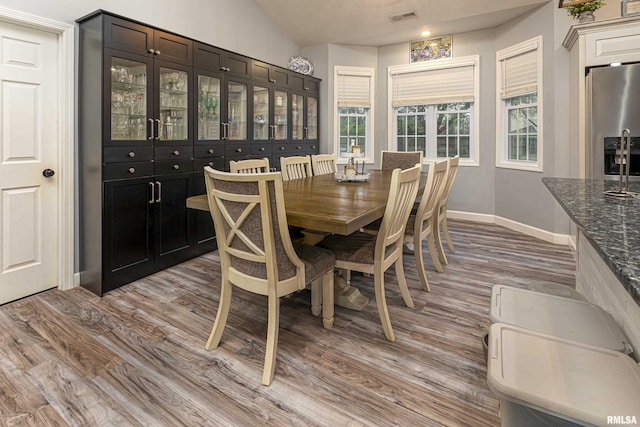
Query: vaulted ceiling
[369, 23]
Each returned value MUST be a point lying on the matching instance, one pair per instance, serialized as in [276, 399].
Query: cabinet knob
[151, 51]
[298, 148]
[261, 148]
[281, 148]
[313, 147]
[272, 80]
[157, 52]
[176, 167]
[210, 151]
[131, 154]
[176, 153]
[238, 150]
[306, 88]
[132, 170]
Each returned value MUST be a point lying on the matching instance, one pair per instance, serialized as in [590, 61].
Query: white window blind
[435, 86]
[519, 74]
[354, 90]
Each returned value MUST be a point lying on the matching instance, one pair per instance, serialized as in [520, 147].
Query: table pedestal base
[348, 296]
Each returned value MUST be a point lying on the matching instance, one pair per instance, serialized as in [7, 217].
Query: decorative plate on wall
[301, 65]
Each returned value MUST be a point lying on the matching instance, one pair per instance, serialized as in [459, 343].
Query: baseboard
[76, 280]
[547, 236]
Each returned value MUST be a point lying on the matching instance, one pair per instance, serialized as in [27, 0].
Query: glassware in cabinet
[208, 108]
[128, 99]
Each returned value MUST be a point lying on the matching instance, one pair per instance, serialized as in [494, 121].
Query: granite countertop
[611, 224]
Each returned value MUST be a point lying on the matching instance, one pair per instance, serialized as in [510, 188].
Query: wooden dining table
[322, 203]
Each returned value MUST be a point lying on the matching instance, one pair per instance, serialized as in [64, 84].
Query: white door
[28, 147]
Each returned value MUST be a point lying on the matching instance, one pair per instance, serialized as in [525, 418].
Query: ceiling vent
[403, 16]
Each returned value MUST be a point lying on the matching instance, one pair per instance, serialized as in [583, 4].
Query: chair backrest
[451, 177]
[295, 167]
[435, 186]
[402, 195]
[400, 159]
[254, 244]
[249, 166]
[323, 164]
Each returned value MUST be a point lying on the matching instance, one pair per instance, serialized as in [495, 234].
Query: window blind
[519, 74]
[354, 90]
[435, 86]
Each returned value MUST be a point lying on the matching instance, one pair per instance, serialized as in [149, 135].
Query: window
[519, 110]
[354, 110]
[433, 108]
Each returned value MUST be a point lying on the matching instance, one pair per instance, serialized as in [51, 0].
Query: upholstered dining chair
[422, 223]
[256, 252]
[295, 167]
[323, 164]
[374, 254]
[400, 159]
[250, 166]
[441, 224]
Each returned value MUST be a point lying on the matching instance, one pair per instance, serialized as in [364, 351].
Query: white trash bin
[544, 380]
[563, 317]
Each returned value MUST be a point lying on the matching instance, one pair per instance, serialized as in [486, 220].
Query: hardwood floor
[137, 357]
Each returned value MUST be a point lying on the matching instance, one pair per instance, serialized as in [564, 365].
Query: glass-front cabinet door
[280, 117]
[236, 126]
[208, 108]
[261, 113]
[129, 106]
[297, 116]
[173, 93]
[312, 118]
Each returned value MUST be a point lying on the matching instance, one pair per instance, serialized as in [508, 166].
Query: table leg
[348, 296]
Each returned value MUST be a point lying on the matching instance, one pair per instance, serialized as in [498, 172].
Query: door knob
[48, 173]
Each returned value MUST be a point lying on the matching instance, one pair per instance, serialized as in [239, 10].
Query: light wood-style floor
[136, 356]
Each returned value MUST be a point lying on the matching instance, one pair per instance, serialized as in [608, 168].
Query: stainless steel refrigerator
[613, 104]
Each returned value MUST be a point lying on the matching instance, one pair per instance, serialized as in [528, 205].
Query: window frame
[369, 146]
[474, 143]
[502, 109]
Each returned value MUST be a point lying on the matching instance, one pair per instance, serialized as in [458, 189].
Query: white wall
[237, 25]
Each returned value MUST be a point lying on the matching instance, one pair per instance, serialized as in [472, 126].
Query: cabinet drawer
[127, 154]
[173, 152]
[211, 150]
[127, 170]
[177, 166]
[215, 163]
[237, 149]
[261, 148]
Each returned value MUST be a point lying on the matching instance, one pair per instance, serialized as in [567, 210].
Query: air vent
[403, 16]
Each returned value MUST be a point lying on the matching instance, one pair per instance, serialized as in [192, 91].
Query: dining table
[323, 204]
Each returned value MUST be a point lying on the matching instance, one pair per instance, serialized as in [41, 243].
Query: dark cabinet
[154, 109]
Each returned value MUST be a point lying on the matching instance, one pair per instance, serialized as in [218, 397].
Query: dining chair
[324, 164]
[400, 159]
[295, 167]
[256, 252]
[249, 166]
[441, 223]
[422, 222]
[374, 254]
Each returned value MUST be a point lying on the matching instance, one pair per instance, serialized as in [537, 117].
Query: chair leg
[445, 229]
[378, 280]
[417, 254]
[316, 298]
[436, 235]
[221, 316]
[433, 251]
[327, 299]
[272, 340]
[402, 283]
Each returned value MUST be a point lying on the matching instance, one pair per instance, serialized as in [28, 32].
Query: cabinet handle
[153, 193]
[131, 154]
[210, 151]
[176, 153]
[151, 51]
[157, 129]
[151, 130]
[305, 134]
[159, 199]
[176, 167]
[132, 170]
